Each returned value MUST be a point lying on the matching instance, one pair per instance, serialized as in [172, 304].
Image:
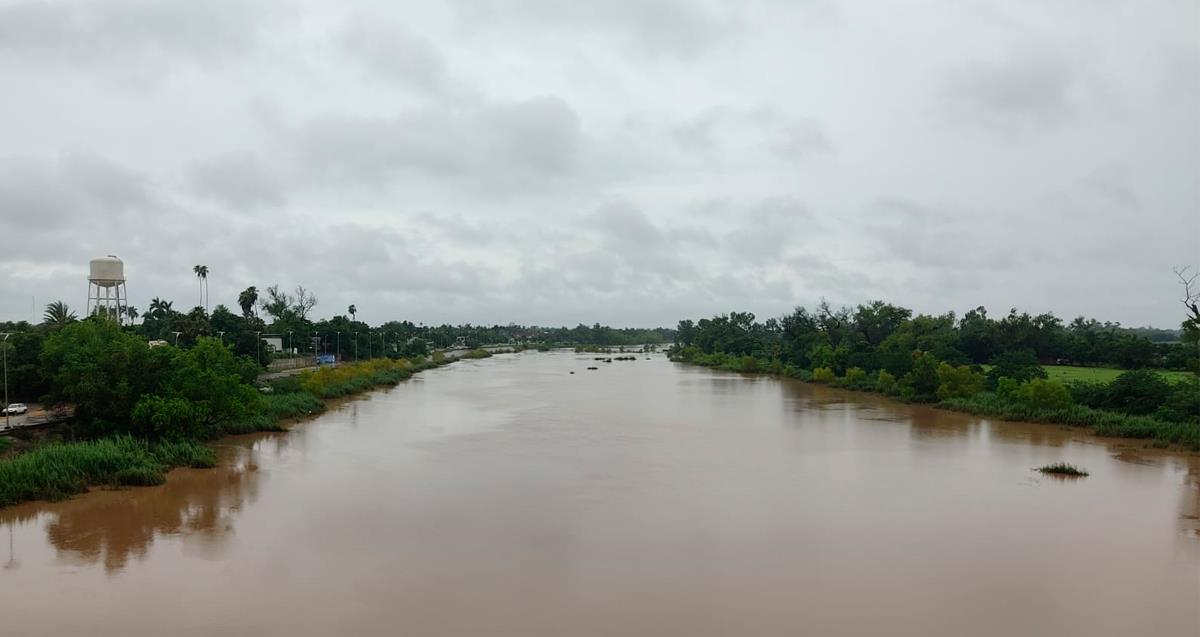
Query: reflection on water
[111, 527]
[510, 497]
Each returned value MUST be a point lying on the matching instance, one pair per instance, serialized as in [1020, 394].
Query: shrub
[1040, 393]
[921, 382]
[1008, 388]
[885, 382]
[1183, 405]
[823, 375]
[748, 364]
[1021, 365]
[856, 378]
[1137, 392]
[958, 382]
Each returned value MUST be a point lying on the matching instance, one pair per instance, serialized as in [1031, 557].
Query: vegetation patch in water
[1063, 469]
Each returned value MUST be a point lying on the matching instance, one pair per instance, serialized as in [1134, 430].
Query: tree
[247, 299]
[160, 309]
[202, 274]
[131, 312]
[353, 310]
[1191, 321]
[58, 315]
[103, 371]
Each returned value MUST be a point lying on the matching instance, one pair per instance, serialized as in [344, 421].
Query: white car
[14, 409]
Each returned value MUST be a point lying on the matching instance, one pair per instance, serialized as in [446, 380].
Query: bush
[921, 382]
[958, 382]
[1040, 393]
[1183, 405]
[1137, 392]
[885, 382]
[823, 375]
[1008, 388]
[856, 378]
[1021, 365]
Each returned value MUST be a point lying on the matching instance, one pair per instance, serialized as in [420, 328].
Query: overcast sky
[631, 162]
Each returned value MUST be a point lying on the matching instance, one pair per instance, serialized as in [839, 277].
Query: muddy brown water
[509, 497]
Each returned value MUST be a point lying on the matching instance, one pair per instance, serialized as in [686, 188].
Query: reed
[56, 471]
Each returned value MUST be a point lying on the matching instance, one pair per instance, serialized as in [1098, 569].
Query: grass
[1063, 469]
[1073, 373]
[57, 471]
[5, 444]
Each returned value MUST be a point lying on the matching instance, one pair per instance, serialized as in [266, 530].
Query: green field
[1071, 373]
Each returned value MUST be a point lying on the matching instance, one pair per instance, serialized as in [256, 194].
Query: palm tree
[352, 310]
[131, 312]
[58, 314]
[202, 274]
[160, 308]
[247, 299]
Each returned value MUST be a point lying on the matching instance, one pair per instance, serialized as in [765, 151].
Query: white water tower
[106, 288]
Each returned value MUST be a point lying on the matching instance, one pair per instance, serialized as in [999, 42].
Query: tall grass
[54, 472]
[5, 444]
[343, 380]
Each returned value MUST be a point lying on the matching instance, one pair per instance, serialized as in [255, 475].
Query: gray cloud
[630, 162]
[1030, 86]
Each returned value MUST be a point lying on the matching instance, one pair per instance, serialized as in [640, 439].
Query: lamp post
[356, 347]
[288, 342]
[4, 346]
[177, 338]
[258, 346]
[337, 354]
[316, 343]
[221, 335]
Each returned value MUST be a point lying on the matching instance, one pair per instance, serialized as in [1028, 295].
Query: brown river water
[509, 497]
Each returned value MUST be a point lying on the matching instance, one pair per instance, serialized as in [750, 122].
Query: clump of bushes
[823, 375]
[958, 381]
[885, 382]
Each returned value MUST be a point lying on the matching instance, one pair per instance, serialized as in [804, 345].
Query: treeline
[882, 336]
[975, 363]
[282, 317]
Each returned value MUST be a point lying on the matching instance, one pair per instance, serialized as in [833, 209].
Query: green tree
[958, 381]
[247, 299]
[58, 315]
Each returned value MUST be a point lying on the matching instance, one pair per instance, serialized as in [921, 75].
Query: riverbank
[58, 470]
[1016, 406]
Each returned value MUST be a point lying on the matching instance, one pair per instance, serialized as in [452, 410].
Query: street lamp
[258, 346]
[4, 346]
[177, 338]
[221, 335]
[288, 342]
[337, 354]
[356, 347]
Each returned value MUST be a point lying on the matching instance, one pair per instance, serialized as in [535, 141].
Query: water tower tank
[106, 271]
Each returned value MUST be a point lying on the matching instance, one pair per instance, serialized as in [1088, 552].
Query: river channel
[510, 496]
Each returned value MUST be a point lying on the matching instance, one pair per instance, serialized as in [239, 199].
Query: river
[508, 496]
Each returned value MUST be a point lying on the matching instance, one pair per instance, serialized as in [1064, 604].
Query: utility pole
[258, 346]
[356, 347]
[337, 355]
[4, 346]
